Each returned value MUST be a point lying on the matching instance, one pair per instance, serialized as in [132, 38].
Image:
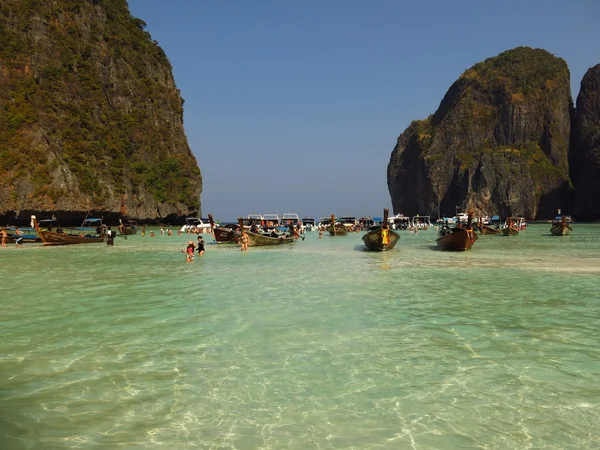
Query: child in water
[189, 252]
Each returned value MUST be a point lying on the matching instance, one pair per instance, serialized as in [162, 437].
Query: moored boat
[129, 229]
[461, 237]
[488, 229]
[336, 228]
[381, 237]
[260, 239]
[224, 234]
[91, 231]
[511, 227]
[560, 226]
[29, 234]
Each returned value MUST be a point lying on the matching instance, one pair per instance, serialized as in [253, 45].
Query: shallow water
[317, 344]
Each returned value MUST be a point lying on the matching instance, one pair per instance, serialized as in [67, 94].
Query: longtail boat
[68, 236]
[486, 229]
[223, 234]
[461, 237]
[129, 229]
[336, 229]
[560, 227]
[29, 234]
[381, 238]
[510, 228]
[260, 240]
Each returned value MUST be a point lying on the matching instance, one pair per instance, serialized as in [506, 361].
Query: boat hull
[339, 230]
[259, 240]
[225, 235]
[53, 238]
[373, 240]
[127, 231]
[459, 239]
[484, 229]
[509, 231]
[559, 229]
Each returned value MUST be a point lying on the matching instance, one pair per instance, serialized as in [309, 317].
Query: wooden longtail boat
[461, 237]
[561, 228]
[486, 229]
[128, 230]
[336, 229]
[260, 240]
[223, 234]
[29, 234]
[381, 238]
[83, 235]
[509, 228]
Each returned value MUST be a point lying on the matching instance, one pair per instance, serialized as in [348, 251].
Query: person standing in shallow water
[4, 235]
[18, 238]
[200, 246]
[244, 241]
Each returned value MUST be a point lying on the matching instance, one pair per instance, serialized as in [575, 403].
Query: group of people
[191, 248]
[18, 237]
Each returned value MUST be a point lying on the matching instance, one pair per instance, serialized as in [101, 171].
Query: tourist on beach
[18, 238]
[320, 232]
[4, 235]
[143, 231]
[200, 246]
[244, 241]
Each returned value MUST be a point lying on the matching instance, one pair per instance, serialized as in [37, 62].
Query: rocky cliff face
[498, 143]
[585, 154]
[90, 117]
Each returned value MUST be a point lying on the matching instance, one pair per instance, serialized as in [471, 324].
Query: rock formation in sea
[497, 144]
[90, 117]
[585, 152]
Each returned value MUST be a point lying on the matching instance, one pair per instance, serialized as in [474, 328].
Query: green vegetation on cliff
[88, 107]
[497, 143]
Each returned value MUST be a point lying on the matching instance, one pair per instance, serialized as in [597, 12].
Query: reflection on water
[313, 345]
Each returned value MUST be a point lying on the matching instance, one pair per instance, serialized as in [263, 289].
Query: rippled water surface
[316, 344]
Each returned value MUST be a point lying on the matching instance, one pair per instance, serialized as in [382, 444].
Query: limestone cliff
[585, 154]
[90, 117]
[498, 143]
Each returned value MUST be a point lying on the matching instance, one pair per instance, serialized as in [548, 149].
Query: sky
[296, 106]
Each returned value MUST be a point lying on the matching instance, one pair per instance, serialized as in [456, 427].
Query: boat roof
[254, 216]
[290, 216]
[94, 219]
[270, 217]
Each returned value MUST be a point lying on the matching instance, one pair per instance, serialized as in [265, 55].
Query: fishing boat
[560, 226]
[381, 237]
[336, 228]
[129, 229]
[91, 231]
[461, 237]
[224, 234]
[510, 227]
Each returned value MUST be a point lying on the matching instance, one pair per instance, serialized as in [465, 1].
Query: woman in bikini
[244, 241]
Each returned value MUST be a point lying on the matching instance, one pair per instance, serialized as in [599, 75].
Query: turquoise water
[312, 345]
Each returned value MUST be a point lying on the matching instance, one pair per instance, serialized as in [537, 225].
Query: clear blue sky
[297, 105]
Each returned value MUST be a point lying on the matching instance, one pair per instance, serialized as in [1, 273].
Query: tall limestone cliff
[90, 117]
[498, 143]
[585, 154]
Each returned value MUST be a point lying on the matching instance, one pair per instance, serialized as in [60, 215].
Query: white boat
[399, 222]
[195, 224]
[309, 224]
[291, 218]
[421, 222]
[348, 221]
